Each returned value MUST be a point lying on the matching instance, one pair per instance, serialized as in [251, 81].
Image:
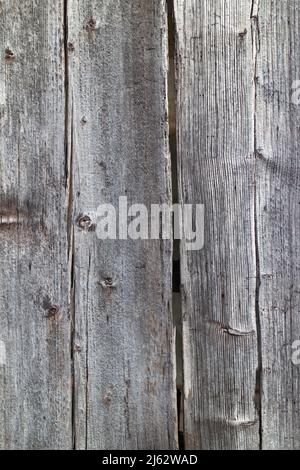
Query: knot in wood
[84, 222]
[53, 311]
[108, 283]
[9, 54]
[91, 25]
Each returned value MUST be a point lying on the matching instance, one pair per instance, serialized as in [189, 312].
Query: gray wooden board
[124, 340]
[35, 369]
[215, 133]
[278, 216]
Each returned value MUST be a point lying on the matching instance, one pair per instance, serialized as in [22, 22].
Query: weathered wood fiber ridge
[238, 147]
[87, 353]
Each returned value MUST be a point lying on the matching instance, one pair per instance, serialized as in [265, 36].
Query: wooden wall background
[87, 335]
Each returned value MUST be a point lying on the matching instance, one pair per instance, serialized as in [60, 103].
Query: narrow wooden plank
[278, 217]
[35, 379]
[124, 346]
[215, 119]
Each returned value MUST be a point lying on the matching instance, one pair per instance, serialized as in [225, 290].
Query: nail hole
[71, 46]
[77, 348]
[243, 33]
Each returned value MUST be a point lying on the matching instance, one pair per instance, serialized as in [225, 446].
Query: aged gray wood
[278, 198]
[86, 333]
[124, 341]
[215, 119]
[35, 371]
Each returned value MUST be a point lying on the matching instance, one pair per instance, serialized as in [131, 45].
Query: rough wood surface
[278, 198]
[215, 120]
[124, 345]
[87, 353]
[35, 372]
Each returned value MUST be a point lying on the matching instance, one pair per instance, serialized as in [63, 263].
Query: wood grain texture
[35, 372]
[278, 216]
[124, 342]
[215, 121]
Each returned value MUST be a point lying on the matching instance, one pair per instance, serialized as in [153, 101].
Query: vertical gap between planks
[256, 48]
[69, 199]
[176, 250]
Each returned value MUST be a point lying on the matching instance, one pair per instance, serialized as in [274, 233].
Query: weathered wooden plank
[35, 379]
[215, 120]
[124, 349]
[278, 197]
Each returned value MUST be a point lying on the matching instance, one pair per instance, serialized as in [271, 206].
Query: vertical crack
[69, 132]
[67, 111]
[72, 337]
[176, 252]
[256, 49]
[87, 359]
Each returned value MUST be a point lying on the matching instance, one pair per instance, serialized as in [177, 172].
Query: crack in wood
[174, 171]
[256, 48]
[69, 138]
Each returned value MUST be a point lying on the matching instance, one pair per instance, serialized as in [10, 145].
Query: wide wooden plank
[215, 120]
[278, 217]
[35, 372]
[124, 342]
